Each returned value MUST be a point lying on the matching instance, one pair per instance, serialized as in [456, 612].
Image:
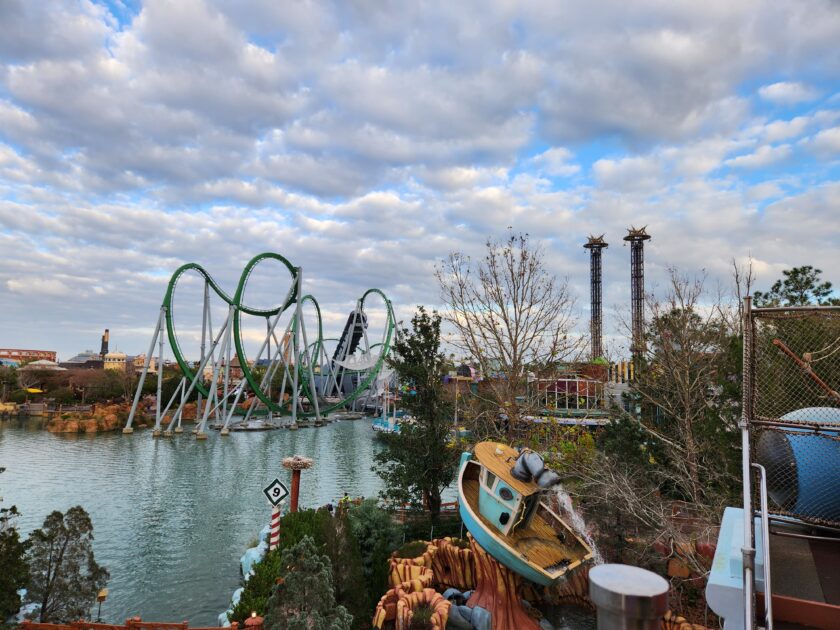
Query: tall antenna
[595, 244]
[637, 238]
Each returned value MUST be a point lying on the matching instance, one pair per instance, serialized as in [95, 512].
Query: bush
[377, 536]
[412, 549]
[332, 536]
[421, 618]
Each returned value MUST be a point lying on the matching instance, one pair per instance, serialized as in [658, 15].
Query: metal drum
[803, 464]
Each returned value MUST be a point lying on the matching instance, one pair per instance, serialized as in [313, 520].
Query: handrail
[765, 547]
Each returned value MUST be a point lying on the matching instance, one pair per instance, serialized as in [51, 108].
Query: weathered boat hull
[506, 555]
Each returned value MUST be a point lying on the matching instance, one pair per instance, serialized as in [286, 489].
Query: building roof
[115, 356]
[42, 364]
[84, 357]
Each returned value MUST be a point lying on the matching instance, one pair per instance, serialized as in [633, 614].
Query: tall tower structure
[595, 244]
[103, 349]
[637, 238]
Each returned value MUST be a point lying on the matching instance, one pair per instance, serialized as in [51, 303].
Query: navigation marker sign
[276, 492]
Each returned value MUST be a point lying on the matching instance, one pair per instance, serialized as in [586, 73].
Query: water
[172, 516]
[576, 521]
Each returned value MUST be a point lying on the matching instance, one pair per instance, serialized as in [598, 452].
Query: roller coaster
[297, 376]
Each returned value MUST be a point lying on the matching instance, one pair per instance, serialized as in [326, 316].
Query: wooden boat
[509, 519]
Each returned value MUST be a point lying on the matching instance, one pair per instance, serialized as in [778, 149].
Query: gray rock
[457, 620]
[481, 618]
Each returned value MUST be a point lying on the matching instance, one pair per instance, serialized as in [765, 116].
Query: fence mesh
[793, 367]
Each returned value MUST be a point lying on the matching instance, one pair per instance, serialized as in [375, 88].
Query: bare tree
[510, 315]
[676, 450]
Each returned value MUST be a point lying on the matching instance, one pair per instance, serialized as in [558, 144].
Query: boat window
[506, 494]
[489, 479]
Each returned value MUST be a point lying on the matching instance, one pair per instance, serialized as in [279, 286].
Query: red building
[25, 356]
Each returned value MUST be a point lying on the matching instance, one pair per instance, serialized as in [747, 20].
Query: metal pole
[227, 361]
[156, 430]
[296, 348]
[204, 313]
[765, 539]
[141, 382]
[748, 550]
[201, 366]
[313, 390]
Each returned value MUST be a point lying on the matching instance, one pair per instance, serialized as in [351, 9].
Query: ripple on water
[172, 517]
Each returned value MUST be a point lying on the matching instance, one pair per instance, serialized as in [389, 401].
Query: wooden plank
[499, 459]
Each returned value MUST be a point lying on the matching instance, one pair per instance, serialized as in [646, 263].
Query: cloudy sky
[365, 140]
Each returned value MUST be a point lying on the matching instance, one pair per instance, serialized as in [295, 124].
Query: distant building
[25, 356]
[140, 360]
[87, 360]
[115, 361]
[41, 364]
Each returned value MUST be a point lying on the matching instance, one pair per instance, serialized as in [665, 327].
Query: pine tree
[416, 463]
[801, 286]
[64, 576]
[304, 598]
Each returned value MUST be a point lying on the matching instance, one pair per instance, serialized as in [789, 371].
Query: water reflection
[172, 516]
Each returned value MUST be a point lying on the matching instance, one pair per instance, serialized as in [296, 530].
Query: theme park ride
[301, 373]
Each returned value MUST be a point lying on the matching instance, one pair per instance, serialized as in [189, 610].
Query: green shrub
[377, 536]
[412, 549]
[331, 536]
[421, 618]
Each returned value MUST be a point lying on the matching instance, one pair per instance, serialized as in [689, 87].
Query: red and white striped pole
[274, 534]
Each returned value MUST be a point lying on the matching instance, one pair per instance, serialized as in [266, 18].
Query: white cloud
[788, 93]
[365, 141]
[555, 162]
[765, 155]
[826, 142]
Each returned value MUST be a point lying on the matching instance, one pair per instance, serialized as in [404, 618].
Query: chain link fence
[792, 378]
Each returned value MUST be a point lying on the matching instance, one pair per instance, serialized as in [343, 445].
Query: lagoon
[173, 516]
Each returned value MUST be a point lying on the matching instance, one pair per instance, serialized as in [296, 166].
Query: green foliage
[65, 577]
[15, 572]
[377, 536]
[421, 618]
[258, 588]
[799, 287]
[417, 463]
[412, 549]
[332, 536]
[304, 598]
[563, 447]
[342, 548]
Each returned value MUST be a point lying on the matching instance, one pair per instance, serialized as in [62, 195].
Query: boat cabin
[503, 500]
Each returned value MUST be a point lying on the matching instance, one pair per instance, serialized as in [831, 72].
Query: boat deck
[539, 543]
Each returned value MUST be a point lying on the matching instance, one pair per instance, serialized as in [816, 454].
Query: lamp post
[101, 596]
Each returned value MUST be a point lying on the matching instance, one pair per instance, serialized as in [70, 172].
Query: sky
[366, 140]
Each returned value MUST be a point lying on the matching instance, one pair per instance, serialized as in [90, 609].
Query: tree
[304, 598]
[511, 315]
[801, 286]
[679, 440]
[15, 573]
[377, 537]
[416, 463]
[65, 577]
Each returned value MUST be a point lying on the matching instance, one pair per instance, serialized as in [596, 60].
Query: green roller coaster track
[239, 308]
